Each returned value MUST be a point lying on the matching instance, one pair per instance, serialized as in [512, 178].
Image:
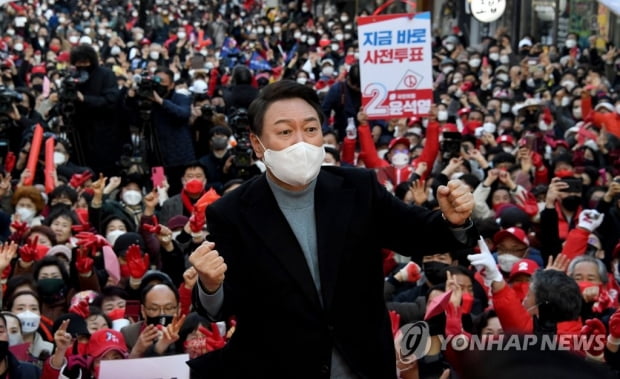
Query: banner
[396, 65]
[167, 367]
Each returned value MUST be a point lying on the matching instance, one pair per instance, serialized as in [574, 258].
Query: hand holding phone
[157, 176]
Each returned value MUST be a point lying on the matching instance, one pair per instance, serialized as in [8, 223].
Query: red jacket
[610, 121]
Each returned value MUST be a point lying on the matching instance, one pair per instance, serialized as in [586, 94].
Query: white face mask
[504, 59]
[25, 214]
[181, 35]
[113, 235]
[506, 261]
[302, 80]
[335, 47]
[542, 126]
[115, 50]
[447, 69]
[568, 84]
[577, 113]
[30, 321]
[15, 339]
[474, 62]
[570, 43]
[505, 108]
[503, 77]
[175, 234]
[154, 55]
[277, 29]
[74, 39]
[400, 159]
[449, 46]
[442, 115]
[132, 197]
[59, 158]
[489, 127]
[297, 165]
[565, 101]
[507, 149]
[328, 71]
[494, 56]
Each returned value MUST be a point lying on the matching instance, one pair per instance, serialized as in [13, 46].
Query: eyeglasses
[166, 310]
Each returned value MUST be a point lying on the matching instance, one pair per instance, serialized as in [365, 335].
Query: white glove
[590, 219]
[351, 131]
[410, 273]
[485, 264]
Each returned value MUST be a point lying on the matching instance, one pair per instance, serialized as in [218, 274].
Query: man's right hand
[210, 266]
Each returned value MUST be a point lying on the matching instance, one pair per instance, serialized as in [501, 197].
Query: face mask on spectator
[25, 214]
[302, 80]
[565, 102]
[132, 197]
[297, 35]
[335, 47]
[577, 113]
[507, 149]
[432, 271]
[59, 158]
[159, 320]
[311, 41]
[219, 142]
[568, 84]
[449, 46]
[504, 59]
[195, 186]
[571, 203]
[113, 235]
[339, 37]
[18, 46]
[74, 39]
[181, 35]
[447, 69]
[277, 29]
[505, 108]
[506, 261]
[400, 159]
[474, 62]
[30, 321]
[328, 71]
[51, 290]
[489, 127]
[154, 55]
[442, 115]
[494, 56]
[503, 77]
[570, 43]
[115, 50]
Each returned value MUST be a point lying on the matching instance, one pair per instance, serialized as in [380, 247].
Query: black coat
[97, 121]
[282, 328]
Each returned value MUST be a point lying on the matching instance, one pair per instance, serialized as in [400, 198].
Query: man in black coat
[301, 251]
[100, 136]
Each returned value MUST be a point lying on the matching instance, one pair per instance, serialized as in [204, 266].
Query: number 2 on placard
[378, 93]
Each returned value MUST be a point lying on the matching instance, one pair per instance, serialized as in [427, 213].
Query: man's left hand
[456, 202]
[157, 99]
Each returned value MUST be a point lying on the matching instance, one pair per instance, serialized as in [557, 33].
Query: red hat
[505, 138]
[514, 232]
[38, 70]
[413, 120]
[105, 340]
[145, 41]
[63, 57]
[449, 128]
[524, 266]
[395, 141]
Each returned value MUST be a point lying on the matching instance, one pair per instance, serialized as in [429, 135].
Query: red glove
[602, 302]
[155, 228]
[90, 242]
[395, 321]
[78, 180]
[454, 323]
[9, 162]
[527, 202]
[6, 272]
[84, 264]
[28, 252]
[594, 327]
[136, 263]
[81, 309]
[614, 328]
[197, 221]
[214, 338]
[537, 160]
[20, 230]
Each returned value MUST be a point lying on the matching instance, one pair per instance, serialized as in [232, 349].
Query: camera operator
[11, 124]
[219, 162]
[170, 120]
[201, 119]
[241, 92]
[97, 110]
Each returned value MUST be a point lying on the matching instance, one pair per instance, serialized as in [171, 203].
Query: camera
[149, 84]
[207, 111]
[68, 94]
[8, 98]
[240, 125]
[451, 145]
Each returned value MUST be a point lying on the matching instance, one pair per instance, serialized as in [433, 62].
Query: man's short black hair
[63, 191]
[241, 74]
[282, 90]
[165, 70]
[84, 53]
[557, 296]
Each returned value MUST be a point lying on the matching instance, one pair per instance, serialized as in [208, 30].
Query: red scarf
[188, 203]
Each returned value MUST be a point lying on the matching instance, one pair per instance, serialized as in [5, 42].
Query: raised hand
[81, 309]
[155, 228]
[190, 276]
[590, 220]
[170, 334]
[214, 339]
[28, 252]
[7, 253]
[560, 263]
[456, 202]
[145, 340]
[594, 327]
[410, 273]
[78, 180]
[137, 264]
[485, 264]
[209, 265]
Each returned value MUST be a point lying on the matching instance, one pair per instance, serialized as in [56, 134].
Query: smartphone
[574, 185]
[132, 309]
[157, 176]
[485, 62]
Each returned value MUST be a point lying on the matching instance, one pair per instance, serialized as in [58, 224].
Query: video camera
[68, 94]
[240, 124]
[451, 145]
[147, 84]
[8, 98]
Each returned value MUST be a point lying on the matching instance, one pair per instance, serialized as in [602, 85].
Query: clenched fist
[210, 266]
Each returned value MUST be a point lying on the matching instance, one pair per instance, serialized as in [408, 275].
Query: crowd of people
[147, 106]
